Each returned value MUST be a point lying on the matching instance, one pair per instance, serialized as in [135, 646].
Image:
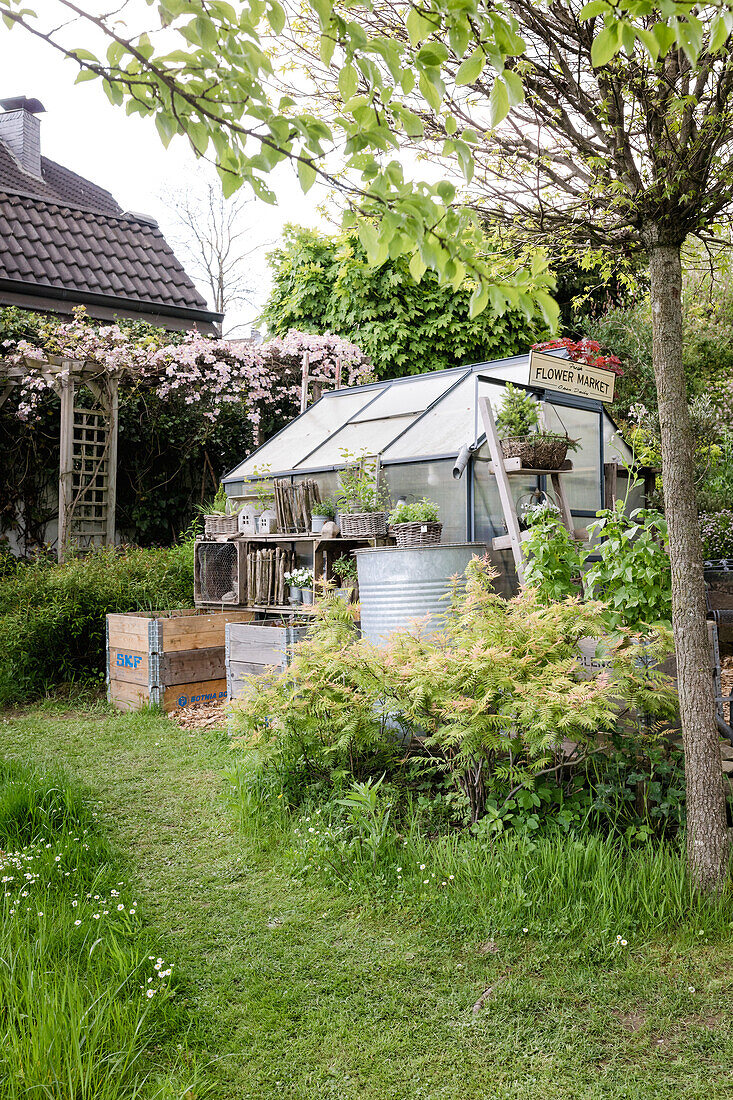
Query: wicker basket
[537, 452]
[416, 534]
[221, 525]
[360, 525]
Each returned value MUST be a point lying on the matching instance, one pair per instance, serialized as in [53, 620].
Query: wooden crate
[254, 648]
[168, 658]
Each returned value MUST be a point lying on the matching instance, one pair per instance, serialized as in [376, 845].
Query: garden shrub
[52, 617]
[717, 535]
[489, 701]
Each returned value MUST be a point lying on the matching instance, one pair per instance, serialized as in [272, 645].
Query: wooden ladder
[503, 468]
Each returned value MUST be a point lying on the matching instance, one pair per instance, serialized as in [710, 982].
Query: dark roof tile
[92, 252]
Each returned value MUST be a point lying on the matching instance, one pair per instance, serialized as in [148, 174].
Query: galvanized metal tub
[397, 586]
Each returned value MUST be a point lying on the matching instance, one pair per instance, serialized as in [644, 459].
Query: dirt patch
[201, 716]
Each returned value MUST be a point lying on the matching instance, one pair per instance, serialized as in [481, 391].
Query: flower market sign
[578, 379]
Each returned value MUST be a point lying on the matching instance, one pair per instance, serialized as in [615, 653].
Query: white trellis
[87, 446]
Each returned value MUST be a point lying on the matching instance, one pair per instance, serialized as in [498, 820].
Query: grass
[293, 987]
[82, 1003]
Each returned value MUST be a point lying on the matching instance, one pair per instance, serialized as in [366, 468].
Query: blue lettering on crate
[128, 660]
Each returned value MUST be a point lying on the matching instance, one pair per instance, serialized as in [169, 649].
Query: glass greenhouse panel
[408, 396]
[488, 516]
[286, 450]
[367, 437]
[446, 428]
[511, 370]
[434, 480]
[583, 483]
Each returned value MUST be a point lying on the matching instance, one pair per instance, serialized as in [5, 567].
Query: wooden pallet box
[168, 658]
[254, 648]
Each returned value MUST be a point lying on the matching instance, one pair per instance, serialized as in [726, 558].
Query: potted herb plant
[219, 518]
[518, 425]
[322, 511]
[415, 524]
[362, 503]
[292, 579]
[345, 569]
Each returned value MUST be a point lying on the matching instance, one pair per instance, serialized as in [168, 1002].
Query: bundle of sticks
[293, 504]
[266, 571]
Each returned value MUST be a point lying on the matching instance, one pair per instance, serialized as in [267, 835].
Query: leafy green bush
[488, 701]
[553, 558]
[633, 573]
[52, 617]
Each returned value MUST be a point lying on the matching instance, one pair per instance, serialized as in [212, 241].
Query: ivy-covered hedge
[52, 617]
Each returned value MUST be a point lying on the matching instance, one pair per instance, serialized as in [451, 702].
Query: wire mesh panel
[217, 572]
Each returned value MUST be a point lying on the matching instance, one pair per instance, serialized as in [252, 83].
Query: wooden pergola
[87, 446]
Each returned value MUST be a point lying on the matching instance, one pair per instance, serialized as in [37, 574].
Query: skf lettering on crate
[128, 660]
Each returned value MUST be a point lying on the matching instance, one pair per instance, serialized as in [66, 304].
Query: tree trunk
[707, 840]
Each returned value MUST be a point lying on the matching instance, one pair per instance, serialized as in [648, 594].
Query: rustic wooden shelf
[514, 466]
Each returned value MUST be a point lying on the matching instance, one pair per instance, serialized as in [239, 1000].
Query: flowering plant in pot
[301, 585]
[518, 425]
[322, 511]
[345, 569]
[415, 524]
[362, 503]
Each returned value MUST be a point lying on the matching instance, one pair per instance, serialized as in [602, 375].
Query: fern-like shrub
[52, 617]
[495, 698]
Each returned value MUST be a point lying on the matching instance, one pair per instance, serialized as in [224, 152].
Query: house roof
[64, 239]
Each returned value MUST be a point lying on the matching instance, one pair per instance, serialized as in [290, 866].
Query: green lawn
[292, 991]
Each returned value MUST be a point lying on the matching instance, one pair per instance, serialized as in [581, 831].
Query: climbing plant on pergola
[87, 445]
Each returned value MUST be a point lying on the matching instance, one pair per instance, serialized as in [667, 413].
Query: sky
[85, 133]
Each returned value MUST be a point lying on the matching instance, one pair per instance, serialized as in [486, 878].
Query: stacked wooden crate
[169, 659]
[254, 648]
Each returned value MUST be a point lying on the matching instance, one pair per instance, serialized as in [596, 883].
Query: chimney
[20, 131]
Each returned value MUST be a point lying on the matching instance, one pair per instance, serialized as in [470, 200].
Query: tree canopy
[324, 283]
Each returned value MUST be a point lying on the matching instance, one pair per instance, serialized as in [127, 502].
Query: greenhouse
[420, 425]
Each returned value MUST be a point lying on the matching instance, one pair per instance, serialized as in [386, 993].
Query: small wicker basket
[416, 534]
[363, 525]
[537, 452]
[221, 525]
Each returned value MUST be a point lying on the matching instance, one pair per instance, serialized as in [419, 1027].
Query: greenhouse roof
[402, 419]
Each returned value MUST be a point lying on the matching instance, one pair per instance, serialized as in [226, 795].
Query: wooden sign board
[578, 379]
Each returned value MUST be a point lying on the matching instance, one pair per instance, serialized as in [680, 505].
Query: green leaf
[596, 7]
[306, 175]
[665, 36]
[348, 82]
[470, 69]
[479, 300]
[86, 74]
[276, 16]
[605, 46]
[417, 267]
[429, 91]
[419, 26]
[327, 46]
[498, 103]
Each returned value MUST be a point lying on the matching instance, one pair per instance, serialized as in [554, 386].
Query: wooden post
[5, 394]
[66, 471]
[304, 382]
[113, 399]
[338, 373]
[502, 481]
